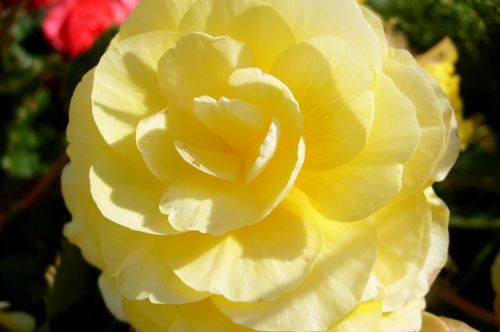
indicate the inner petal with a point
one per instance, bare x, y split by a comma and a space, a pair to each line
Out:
223, 165
257, 161
198, 65
236, 122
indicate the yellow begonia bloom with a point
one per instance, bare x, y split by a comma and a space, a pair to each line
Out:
241, 165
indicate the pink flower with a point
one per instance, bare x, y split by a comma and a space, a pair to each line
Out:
72, 26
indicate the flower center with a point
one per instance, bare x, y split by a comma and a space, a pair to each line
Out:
240, 126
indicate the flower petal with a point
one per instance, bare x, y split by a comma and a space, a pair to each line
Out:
156, 136
112, 298
331, 290
354, 190
154, 15
366, 317
126, 88
264, 260
199, 65
404, 71
258, 26
342, 18
128, 194
85, 145
332, 83
400, 227
138, 263
409, 318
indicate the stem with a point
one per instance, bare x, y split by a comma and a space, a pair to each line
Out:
468, 307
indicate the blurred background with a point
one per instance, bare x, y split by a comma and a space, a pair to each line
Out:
47, 45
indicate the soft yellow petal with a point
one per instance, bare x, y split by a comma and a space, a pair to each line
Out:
80, 231
451, 148
354, 190
236, 122
332, 83
128, 194
251, 264
416, 86
126, 89
366, 317
259, 160
200, 316
112, 298
156, 136
342, 18
138, 263
222, 165
154, 15
145, 316
400, 228
209, 205
438, 251
208, 318
412, 284
331, 290
258, 26
395, 132
377, 25
85, 145
409, 318
199, 65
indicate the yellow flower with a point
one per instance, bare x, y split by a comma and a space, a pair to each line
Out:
259, 165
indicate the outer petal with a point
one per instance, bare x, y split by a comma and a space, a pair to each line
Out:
400, 227
126, 88
128, 194
154, 15
331, 290
259, 26
354, 190
366, 317
422, 271
342, 18
148, 317
138, 263
145, 316
86, 144
415, 85
365, 184
332, 83
112, 298
263, 260
409, 318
